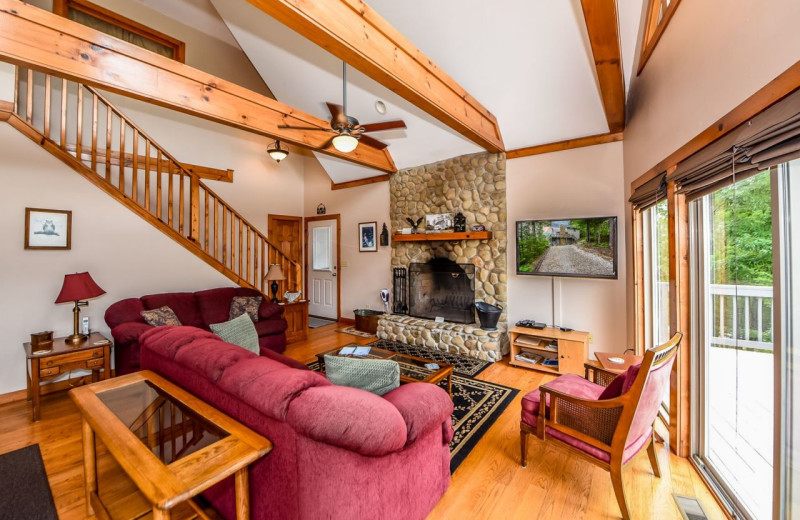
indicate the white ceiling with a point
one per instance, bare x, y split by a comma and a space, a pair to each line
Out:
528, 61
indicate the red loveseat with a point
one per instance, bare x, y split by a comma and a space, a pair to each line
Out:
339, 452
199, 309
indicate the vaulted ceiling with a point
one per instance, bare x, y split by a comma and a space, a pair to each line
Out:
529, 62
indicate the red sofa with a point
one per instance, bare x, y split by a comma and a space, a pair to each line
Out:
339, 453
199, 309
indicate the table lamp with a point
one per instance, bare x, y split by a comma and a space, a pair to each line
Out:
78, 287
274, 274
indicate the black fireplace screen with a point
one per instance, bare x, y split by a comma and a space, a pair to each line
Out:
442, 288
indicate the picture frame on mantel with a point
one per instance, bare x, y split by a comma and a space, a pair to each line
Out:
368, 237
48, 229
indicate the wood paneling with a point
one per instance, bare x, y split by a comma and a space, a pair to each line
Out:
490, 484
355, 33
32, 37
603, 28
360, 182
568, 144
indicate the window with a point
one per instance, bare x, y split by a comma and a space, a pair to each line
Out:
658, 16
322, 249
109, 22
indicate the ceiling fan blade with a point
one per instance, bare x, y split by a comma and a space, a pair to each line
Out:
370, 141
327, 144
306, 128
386, 125
337, 113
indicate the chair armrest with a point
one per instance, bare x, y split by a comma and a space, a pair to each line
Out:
599, 375
128, 333
423, 407
591, 421
268, 310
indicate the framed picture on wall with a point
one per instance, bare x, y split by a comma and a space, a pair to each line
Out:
48, 229
367, 236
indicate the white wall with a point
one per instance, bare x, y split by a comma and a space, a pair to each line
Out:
713, 55
363, 275
585, 182
125, 255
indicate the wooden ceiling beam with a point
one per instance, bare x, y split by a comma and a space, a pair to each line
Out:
352, 31
34, 38
603, 27
360, 182
567, 144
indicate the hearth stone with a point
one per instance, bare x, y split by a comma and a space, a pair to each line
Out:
455, 338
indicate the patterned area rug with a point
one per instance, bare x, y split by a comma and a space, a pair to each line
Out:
463, 365
476, 404
353, 332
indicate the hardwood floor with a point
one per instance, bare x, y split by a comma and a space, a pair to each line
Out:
489, 484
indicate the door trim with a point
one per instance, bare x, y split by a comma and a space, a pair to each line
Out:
315, 218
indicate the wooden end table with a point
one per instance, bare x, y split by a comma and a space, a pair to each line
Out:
412, 368
605, 360
62, 357
172, 445
296, 316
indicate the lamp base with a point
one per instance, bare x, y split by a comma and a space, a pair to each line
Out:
274, 287
76, 339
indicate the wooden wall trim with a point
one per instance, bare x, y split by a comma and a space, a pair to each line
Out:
780, 87
654, 30
354, 32
46, 389
568, 144
34, 38
601, 23
360, 182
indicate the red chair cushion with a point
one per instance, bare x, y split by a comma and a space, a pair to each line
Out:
614, 389
630, 377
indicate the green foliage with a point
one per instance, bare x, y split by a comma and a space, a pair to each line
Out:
742, 233
531, 244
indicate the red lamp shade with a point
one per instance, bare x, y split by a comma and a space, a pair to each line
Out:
78, 286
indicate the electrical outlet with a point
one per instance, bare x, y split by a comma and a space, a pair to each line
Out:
344, 263
591, 338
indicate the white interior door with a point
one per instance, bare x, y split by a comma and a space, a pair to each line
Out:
322, 269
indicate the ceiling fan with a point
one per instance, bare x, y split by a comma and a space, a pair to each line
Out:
347, 128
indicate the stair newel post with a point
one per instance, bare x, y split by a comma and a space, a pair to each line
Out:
194, 196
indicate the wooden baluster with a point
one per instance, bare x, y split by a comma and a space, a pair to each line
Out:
263, 272
109, 122
48, 94
170, 205
29, 99
63, 133
224, 238
147, 174
205, 228
181, 204
17, 93
216, 229
158, 185
122, 125
135, 171
249, 252
94, 132
241, 234
233, 242
194, 211
79, 127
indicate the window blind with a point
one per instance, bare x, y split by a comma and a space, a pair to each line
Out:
650, 193
770, 138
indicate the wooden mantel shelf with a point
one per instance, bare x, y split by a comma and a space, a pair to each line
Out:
431, 237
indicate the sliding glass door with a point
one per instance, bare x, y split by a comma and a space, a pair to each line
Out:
733, 301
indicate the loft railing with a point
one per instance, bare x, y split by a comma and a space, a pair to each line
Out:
142, 174
742, 316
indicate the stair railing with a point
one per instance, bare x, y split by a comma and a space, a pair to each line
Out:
86, 126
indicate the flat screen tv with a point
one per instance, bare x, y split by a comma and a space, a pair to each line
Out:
579, 247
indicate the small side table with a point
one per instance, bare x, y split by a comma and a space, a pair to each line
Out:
296, 315
627, 360
62, 358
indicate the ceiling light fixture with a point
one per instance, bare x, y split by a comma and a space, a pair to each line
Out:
276, 152
345, 142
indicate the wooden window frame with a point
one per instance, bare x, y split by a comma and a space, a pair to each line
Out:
62, 7
653, 29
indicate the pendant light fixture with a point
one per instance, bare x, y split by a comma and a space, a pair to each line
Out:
276, 152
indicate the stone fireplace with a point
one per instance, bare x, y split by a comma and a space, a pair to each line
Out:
474, 185
442, 288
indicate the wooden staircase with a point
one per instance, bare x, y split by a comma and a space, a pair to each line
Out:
83, 129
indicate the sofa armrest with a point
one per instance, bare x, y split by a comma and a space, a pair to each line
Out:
423, 407
348, 418
128, 333
268, 310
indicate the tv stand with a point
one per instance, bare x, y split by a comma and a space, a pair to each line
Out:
568, 351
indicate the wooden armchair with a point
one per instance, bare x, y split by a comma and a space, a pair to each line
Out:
607, 420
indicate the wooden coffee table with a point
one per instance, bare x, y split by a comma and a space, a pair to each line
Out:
412, 368
172, 445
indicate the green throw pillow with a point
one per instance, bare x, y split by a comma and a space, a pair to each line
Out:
373, 375
239, 331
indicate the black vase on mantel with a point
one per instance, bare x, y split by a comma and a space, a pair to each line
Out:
459, 223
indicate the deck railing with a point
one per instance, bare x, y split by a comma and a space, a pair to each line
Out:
741, 316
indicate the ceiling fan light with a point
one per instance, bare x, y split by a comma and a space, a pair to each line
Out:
276, 152
345, 143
